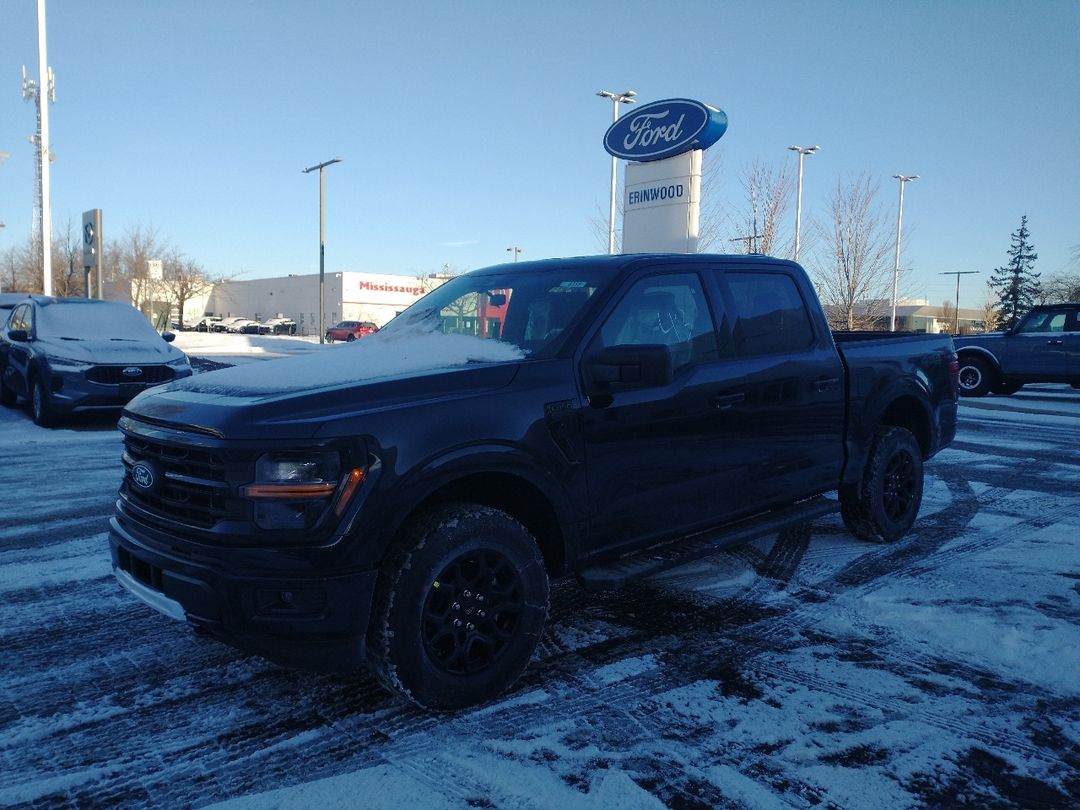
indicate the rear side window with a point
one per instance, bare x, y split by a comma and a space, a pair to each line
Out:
770, 315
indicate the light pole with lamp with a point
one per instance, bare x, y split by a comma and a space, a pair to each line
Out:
803, 152
616, 100
903, 178
322, 243
515, 250
956, 314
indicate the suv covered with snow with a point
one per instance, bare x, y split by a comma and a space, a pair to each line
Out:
66, 355
405, 502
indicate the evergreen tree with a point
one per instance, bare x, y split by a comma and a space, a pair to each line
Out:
1016, 285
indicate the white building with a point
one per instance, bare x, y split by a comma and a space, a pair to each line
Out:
375, 297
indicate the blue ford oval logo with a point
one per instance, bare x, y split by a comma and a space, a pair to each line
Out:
142, 475
132, 371
664, 129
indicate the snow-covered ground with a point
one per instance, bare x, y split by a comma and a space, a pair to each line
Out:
806, 670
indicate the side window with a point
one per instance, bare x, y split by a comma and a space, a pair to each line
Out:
670, 310
1073, 324
770, 315
1044, 322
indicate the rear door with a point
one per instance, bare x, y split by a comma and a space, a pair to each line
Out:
1045, 347
794, 405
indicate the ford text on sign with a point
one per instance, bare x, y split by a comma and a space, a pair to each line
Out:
664, 129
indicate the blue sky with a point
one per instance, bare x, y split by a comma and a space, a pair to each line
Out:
470, 127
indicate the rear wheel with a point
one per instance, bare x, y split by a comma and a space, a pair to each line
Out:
884, 504
976, 377
39, 404
350, 338
459, 607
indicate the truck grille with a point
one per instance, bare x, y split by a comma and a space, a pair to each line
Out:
114, 375
193, 487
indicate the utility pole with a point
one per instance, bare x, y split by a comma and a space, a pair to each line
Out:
42, 91
322, 243
956, 314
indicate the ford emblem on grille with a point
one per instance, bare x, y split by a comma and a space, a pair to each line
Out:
142, 475
132, 371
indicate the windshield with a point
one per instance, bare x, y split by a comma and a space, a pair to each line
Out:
78, 320
528, 309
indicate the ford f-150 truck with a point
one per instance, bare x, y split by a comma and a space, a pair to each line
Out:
1044, 346
407, 500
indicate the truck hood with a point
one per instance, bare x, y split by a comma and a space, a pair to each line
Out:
296, 397
109, 351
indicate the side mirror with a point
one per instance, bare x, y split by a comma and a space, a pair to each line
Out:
168, 337
18, 335
621, 368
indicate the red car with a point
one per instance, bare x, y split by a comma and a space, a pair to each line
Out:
350, 330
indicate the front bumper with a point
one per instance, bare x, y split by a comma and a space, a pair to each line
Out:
315, 621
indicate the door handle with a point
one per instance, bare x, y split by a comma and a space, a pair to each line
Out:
724, 402
1054, 342
822, 383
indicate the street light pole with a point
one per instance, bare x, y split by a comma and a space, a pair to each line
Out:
616, 100
903, 178
515, 250
956, 313
803, 152
322, 243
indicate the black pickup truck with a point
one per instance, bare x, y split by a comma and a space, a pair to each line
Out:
406, 501
1044, 346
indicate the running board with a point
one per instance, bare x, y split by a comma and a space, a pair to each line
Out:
680, 551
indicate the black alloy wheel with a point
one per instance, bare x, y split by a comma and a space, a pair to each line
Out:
884, 504
472, 612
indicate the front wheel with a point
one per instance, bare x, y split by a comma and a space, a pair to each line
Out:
976, 377
459, 607
883, 505
39, 404
7, 395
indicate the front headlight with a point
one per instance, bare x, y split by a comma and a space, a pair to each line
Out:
65, 364
292, 490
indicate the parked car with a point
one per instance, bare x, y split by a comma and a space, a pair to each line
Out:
254, 328
1044, 346
207, 323
282, 326
223, 324
236, 325
350, 330
65, 355
601, 417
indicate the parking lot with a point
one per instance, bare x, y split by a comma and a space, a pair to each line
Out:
801, 671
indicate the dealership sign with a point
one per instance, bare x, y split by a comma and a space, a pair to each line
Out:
664, 129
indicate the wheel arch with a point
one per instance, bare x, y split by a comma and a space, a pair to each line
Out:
969, 352
909, 412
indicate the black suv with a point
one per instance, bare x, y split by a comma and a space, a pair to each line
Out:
75, 354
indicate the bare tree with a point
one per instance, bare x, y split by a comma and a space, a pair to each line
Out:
1060, 289
854, 277
130, 258
947, 313
990, 313
67, 262
767, 196
181, 280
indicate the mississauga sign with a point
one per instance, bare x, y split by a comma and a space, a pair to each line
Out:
664, 129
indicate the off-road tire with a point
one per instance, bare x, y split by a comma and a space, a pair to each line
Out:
39, 404
884, 504
459, 607
977, 377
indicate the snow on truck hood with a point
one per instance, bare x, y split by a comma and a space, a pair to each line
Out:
376, 357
